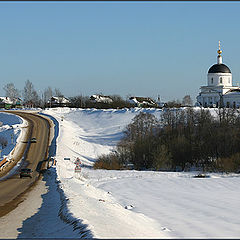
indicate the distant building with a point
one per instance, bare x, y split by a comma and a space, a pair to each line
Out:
58, 102
101, 98
160, 103
143, 102
219, 91
6, 102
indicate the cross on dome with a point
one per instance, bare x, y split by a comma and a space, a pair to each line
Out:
219, 67
219, 48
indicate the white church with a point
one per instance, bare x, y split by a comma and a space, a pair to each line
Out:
219, 91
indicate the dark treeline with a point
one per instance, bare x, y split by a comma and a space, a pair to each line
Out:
81, 101
85, 102
180, 140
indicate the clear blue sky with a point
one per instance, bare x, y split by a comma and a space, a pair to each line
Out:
137, 48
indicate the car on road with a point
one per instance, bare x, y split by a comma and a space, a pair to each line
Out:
33, 140
26, 172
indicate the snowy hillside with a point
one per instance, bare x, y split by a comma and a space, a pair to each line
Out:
91, 132
133, 204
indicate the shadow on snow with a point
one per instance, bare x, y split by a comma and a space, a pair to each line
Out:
107, 139
53, 219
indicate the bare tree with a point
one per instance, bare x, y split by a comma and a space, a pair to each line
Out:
173, 104
47, 94
59, 95
187, 101
79, 101
162, 158
11, 91
36, 99
29, 94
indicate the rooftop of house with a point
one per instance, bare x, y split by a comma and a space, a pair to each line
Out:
56, 99
142, 100
8, 100
100, 98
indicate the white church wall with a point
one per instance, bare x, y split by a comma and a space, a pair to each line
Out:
214, 79
208, 99
232, 99
226, 89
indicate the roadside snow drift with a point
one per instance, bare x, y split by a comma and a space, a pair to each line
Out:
11, 127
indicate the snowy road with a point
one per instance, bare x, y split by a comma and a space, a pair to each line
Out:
41, 211
13, 186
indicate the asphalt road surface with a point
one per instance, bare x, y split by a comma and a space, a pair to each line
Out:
12, 189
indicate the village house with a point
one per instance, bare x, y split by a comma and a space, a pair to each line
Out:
101, 98
7, 102
58, 102
143, 102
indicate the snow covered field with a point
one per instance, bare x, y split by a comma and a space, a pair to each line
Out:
117, 204
133, 204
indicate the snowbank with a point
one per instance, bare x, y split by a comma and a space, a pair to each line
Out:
13, 127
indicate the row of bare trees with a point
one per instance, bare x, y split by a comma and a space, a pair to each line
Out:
29, 95
182, 139
186, 102
81, 101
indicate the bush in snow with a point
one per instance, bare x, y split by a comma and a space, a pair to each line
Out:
107, 162
229, 164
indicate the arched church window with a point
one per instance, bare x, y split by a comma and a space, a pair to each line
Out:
220, 79
212, 80
228, 80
